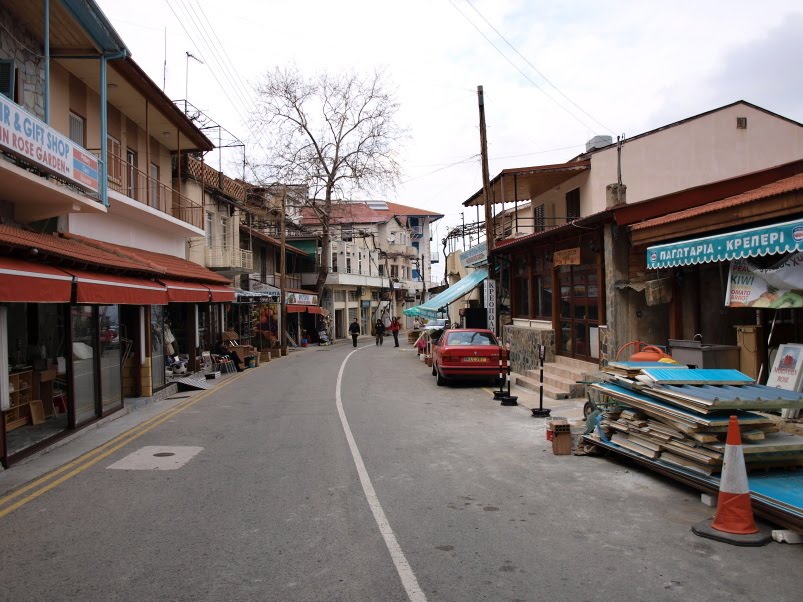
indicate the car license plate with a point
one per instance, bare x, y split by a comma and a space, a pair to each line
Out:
475, 359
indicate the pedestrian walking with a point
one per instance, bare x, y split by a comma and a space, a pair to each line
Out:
354, 331
379, 330
416, 323
395, 327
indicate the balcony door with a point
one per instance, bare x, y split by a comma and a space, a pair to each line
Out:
131, 174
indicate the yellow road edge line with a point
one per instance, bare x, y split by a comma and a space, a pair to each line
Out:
86, 455
131, 434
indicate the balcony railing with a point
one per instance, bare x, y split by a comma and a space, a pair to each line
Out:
127, 179
229, 258
212, 178
291, 280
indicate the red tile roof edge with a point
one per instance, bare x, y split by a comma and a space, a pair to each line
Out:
783, 186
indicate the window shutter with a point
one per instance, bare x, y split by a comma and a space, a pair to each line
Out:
7, 78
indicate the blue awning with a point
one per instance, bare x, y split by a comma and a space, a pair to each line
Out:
767, 240
429, 309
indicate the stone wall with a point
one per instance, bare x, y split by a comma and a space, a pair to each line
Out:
26, 52
524, 344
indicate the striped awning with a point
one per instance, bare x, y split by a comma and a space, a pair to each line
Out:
431, 308
775, 239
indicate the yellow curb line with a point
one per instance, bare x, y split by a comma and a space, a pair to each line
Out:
123, 439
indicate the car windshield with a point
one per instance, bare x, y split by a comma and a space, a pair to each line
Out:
470, 338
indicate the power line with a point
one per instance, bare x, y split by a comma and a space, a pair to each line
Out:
517, 68
534, 68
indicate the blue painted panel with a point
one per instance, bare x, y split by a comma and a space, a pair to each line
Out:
697, 375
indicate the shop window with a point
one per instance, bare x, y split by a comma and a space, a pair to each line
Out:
157, 347
84, 351
110, 357
521, 287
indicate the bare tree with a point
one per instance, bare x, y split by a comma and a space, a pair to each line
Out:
334, 133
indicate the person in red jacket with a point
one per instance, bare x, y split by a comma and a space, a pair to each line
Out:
395, 326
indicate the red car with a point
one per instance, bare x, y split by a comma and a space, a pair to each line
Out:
468, 354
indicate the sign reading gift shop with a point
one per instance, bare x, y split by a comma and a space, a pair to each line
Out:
778, 286
24, 135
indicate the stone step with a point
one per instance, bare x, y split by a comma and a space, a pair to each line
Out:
532, 384
564, 371
582, 365
565, 385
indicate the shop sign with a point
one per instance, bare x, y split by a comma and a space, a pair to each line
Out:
777, 287
24, 135
475, 255
768, 240
490, 303
300, 299
787, 370
566, 257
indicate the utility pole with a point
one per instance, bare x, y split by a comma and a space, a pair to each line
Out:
283, 272
490, 285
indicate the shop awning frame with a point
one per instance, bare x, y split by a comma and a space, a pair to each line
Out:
219, 293
185, 292
105, 289
429, 309
774, 239
27, 282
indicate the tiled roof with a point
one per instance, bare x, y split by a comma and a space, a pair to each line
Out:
786, 185
397, 209
74, 251
361, 213
163, 264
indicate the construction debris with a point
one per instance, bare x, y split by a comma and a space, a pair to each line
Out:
680, 416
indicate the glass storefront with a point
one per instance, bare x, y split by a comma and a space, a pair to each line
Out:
111, 385
84, 350
157, 347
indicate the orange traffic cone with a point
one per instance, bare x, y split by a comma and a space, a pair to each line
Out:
733, 522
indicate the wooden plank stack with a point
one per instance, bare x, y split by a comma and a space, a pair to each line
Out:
685, 424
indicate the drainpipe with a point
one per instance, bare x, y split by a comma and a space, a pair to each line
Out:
47, 62
103, 184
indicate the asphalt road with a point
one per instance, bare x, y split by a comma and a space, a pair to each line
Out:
386, 488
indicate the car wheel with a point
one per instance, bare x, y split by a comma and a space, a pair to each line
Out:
440, 380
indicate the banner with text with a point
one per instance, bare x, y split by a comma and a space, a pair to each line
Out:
777, 287
24, 135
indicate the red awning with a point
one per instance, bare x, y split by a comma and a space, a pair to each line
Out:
92, 287
296, 309
28, 282
313, 309
186, 292
220, 293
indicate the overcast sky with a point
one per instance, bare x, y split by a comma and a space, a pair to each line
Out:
588, 68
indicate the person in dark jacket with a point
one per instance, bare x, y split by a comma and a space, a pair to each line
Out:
379, 329
354, 331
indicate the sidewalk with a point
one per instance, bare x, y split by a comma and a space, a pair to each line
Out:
571, 409
77, 443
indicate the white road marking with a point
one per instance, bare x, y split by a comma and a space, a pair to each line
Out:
157, 457
410, 583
